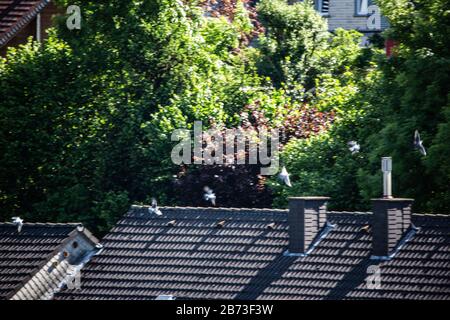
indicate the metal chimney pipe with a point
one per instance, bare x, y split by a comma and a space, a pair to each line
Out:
386, 167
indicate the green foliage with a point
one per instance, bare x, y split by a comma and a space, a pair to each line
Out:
419, 24
414, 96
321, 165
293, 34
438, 166
86, 119
380, 103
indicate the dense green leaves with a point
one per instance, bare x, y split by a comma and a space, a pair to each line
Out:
86, 118
415, 91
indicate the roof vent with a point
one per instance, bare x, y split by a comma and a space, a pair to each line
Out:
171, 223
165, 297
365, 228
271, 226
220, 224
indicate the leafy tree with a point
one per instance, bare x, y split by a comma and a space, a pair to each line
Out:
293, 35
87, 116
415, 90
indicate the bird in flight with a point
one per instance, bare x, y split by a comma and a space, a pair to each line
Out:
154, 208
354, 147
284, 176
418, 144
18, 223
209, 195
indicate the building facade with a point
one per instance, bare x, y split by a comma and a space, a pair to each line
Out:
361, 15
20, 20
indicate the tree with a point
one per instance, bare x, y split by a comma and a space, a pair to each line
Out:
415, 90
294, 33
87, 117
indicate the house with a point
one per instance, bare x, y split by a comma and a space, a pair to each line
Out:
305, 252
38, 259
361, 15
20, 19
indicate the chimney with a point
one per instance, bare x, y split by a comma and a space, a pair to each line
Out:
307, 216
391, 220
391, 216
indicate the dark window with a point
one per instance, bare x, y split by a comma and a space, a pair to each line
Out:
323, 6
75, 245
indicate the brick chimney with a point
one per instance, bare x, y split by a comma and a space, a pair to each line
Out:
391, 220
307, 216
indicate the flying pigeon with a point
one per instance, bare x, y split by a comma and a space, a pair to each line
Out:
18, 222
284, 176
354, 147
418, 143
209, 195
154, 208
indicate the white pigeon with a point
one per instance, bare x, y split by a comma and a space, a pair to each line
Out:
354, 147
418, 144
18, 223
284, 176
154, 208
209, 195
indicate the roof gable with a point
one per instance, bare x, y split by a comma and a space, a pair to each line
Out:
16, 14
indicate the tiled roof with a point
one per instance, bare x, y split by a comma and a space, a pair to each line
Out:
17, 14
193, 258
23, 254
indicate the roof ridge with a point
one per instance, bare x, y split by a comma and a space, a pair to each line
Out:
48, 224
363, 213
210, 208
432, 215
436, 215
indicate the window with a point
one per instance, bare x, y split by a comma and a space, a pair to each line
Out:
362, 7
323, 6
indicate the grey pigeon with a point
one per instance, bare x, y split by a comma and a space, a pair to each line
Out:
354, 147
418, 143
284, 176
18, 223
209, 195
154, 208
